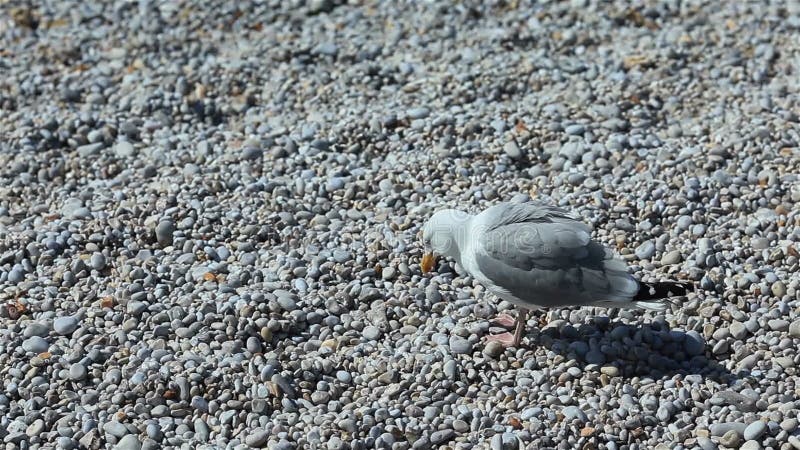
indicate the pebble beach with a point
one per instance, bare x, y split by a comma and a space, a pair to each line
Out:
210, 216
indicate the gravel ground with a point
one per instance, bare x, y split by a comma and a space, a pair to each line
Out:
209, 216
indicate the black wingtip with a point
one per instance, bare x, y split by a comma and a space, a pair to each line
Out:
663, 289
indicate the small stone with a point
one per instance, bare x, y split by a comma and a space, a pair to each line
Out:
335, 443
37, 329
35, 428
705, 443
497, 442
778, 289
673, 257
778, 325
124, 149
450, 369
575, 129
751, 445
334, 184
730, 439
286, 300
77, 372
646, 250
253, 345
611, 371
663, 414
320, 6
284, 384
128, 442
81, 213
755, 430
460, 346
342, 256
418, 113
115, 428
512, 150
371, 333
493, 349
573, 412
738, 330
460, 426
257, 438
90, 150
201, 430
88, 439
35, 344
65, 326
694, 344
442, 436
164, 232
97, 261
794, 329
789, 425
251, 151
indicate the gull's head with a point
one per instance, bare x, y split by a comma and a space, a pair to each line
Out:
441, 236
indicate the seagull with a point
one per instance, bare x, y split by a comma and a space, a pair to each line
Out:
538, 256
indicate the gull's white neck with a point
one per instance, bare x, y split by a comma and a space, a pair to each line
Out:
449, 233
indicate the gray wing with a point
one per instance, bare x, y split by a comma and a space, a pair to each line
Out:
544, 257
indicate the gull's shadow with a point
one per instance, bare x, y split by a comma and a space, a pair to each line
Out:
650, 349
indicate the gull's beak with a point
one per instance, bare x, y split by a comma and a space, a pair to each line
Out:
427, 262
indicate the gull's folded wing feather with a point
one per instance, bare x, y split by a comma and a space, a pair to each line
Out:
544, 257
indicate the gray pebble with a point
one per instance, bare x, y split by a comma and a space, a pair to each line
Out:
646, 250
673, 257
97, 261
460, 346
493, 349
789, 425
442, 436
65, 326
164, 232
115, 428
794, 328
35, 344
751, 445
129, 442
573, 412
778, 325
694, 343
730, 439
371, 333
512, 150
77, 372
418, 113
738, 330
124, 149
257, 438
37, 329
755, 430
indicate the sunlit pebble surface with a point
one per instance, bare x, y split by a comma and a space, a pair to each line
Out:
209, 218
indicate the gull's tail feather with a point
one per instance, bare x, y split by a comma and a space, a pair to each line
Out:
657, 296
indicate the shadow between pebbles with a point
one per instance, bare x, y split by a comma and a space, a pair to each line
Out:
651, 349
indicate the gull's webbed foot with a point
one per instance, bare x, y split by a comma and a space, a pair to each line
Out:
504, 320
505, 339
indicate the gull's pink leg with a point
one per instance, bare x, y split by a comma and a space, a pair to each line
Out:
522, 319
512, 340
